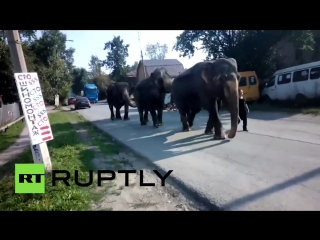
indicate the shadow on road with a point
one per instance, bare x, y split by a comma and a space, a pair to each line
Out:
163, 142
276, 188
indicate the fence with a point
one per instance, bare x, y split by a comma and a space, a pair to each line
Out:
9, 113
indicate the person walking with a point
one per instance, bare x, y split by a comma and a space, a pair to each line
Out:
243, 111
219, 102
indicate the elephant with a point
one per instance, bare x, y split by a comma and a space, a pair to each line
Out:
118, 95
149, 96
201, 86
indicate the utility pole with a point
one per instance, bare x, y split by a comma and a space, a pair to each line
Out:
144, 69
40, 151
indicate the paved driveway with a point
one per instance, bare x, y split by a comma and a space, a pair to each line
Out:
276, 166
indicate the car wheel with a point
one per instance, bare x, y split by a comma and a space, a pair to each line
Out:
89, 106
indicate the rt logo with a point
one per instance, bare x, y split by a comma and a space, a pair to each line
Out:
29, 178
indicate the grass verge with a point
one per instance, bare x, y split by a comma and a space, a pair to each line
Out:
313, 111
11, 135
68, 151
265, 107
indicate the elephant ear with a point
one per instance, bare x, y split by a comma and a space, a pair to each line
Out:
234, 63
207, 72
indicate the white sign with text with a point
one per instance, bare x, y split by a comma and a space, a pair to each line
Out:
33, 107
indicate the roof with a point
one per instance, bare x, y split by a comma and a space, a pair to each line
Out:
173, 66
299, 67
90, 86
132, 73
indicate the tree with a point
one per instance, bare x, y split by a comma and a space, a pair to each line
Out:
99, 78
253, 49
133, 67
8, 88
102, 81
80, 78
156, 51
55, 80
95, 66
116, 58
54, 64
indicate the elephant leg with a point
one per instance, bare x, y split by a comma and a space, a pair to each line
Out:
218, 134
142, 121
118, 115
154, 118
145, 117
160, 112
126, 112
192, 115
210, 125
184, 120
111, 111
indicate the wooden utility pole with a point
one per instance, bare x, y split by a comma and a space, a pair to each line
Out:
40, 151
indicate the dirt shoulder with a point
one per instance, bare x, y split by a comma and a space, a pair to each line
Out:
79, 145
109, 154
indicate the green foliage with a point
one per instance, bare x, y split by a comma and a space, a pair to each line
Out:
116, 59
47, 55
80, 78
253, 49
134, 67
98, 77
156, 51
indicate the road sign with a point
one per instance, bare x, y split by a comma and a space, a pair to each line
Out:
33, 107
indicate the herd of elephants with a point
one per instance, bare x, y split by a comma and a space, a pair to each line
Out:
200, 86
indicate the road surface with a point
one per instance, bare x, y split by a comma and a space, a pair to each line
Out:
274, 166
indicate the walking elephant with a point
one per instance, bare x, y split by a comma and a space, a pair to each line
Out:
149, 96
118, 95
201, 86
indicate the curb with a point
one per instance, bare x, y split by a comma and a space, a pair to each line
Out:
175, 181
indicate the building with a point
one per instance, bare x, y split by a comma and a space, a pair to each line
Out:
132, 78
145, 68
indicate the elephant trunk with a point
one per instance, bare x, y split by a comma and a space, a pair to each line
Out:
127, 99
132, 103
234, 112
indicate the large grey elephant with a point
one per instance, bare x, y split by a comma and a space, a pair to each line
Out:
149, 96
201, 86
118, 95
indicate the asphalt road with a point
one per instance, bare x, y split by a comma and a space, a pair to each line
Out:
274, 166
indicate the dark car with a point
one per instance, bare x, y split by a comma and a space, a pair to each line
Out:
71, 100
82, 102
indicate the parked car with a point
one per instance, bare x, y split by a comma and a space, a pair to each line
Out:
82, 102
71, 100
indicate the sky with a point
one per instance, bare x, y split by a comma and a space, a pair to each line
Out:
91, 42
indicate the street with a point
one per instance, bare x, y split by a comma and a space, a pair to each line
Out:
274, 166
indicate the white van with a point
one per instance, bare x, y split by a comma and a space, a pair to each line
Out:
298, 83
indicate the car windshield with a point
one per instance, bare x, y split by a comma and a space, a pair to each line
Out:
94, 91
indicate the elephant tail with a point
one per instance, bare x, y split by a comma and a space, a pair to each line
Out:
127, 99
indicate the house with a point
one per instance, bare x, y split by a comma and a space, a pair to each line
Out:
132, 78
146, 67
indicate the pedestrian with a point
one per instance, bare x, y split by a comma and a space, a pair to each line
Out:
243, 111
219, 102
